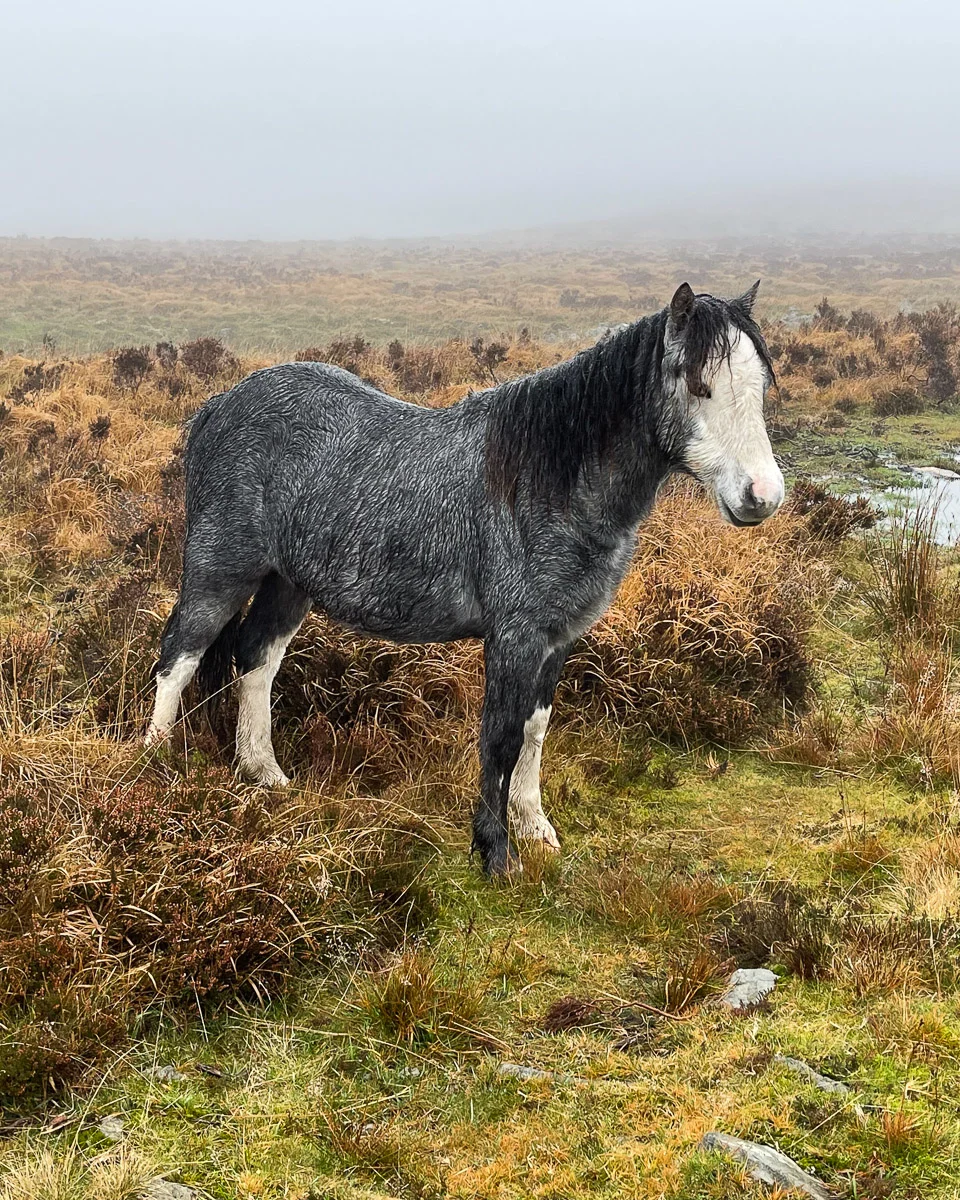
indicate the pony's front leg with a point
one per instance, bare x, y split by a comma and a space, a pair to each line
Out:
512, 673
527, 818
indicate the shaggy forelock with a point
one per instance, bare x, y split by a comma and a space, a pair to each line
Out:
705, 339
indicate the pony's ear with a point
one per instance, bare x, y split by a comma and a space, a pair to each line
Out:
746, 302
681, 306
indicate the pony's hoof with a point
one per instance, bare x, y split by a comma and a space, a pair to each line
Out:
540, 833
267, 776
274, 779
503, 866
156, 738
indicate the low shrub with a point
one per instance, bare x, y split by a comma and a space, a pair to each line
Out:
208, 358
779, 924
131, 366
831, 518
898, 402
182, 891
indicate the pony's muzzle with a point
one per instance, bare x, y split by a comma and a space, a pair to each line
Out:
760, 498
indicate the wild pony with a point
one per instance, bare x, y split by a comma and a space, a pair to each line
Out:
511, 516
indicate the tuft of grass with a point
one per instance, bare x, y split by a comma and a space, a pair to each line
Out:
44, 1174
413, 1005
389, 1150
691, 974
859, 853
901, 1131
907, 591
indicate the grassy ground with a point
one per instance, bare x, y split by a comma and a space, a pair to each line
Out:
754, 763
386, 1080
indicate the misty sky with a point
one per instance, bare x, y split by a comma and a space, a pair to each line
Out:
306, 119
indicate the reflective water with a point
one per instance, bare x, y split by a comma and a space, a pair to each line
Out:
930, 493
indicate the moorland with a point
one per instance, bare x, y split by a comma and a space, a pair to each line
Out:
755, 762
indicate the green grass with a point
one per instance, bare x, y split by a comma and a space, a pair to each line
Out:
867, 451
318, 1093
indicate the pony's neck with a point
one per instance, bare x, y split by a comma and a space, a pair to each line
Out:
584, 432
621, 490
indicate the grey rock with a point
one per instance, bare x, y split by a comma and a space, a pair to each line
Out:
166, 1189
112, 1127
823, 1082
169, 1074
938, 472
747, 988
766, 1164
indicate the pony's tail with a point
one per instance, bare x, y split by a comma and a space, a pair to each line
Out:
215, 672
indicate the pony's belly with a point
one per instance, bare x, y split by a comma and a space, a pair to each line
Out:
410, 629
403, 618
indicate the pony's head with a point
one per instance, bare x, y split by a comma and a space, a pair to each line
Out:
716, 372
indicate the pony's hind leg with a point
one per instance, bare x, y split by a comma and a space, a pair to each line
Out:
197, 620
277, 612
527, 818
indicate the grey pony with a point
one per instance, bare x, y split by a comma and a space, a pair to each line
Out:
510, 516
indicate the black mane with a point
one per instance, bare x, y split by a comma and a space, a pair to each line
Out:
546, 427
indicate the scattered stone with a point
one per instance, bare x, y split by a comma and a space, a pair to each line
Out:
528, 1074
747, 988
166, 1189
938, 472
169, 1074
766, 1164
112, 1127
823, 1082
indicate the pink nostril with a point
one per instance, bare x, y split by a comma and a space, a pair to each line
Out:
766, 491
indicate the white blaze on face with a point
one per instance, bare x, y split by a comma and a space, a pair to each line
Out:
730, 450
